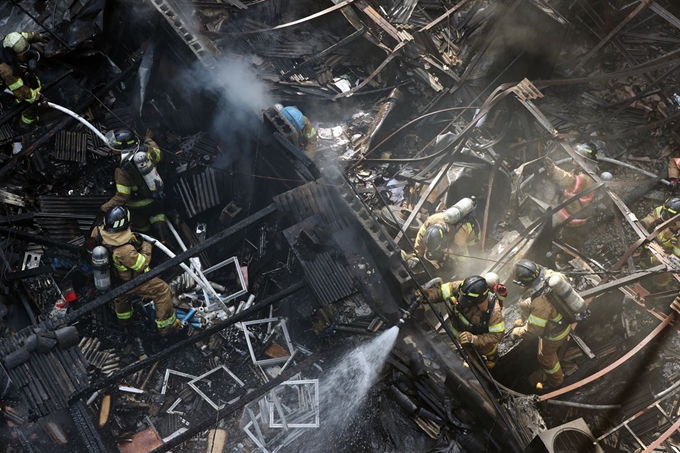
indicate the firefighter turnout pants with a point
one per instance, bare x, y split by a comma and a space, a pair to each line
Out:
146, 216
550, 362
155, 289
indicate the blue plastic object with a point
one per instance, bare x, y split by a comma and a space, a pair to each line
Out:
295, 117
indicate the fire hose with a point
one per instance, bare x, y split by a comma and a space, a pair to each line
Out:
79, 118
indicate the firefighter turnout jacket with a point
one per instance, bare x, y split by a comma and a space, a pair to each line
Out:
458, 240
21, 82
543, 319
572, 183
674, 168
668, 237
126, 186
487, 327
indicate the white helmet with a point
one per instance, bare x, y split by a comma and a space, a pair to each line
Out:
16, 42
492, 279
278, 107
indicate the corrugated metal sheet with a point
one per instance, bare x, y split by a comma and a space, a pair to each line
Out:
47, 380
313, 198
323, 262
67, 218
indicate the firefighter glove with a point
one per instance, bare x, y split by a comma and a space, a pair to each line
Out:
432, 295
501, 290
466, 338
137, 241
518, 322
43, 37
549, 165
512, 335
412, 263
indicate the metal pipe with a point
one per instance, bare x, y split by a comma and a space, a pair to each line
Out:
597, 407
206, 286
632, 167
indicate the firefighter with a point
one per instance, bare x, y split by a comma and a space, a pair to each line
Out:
477, 316
146, 205
130, 256
443, 239
667, 238
573, 183
304, 127
540, 319
16, 71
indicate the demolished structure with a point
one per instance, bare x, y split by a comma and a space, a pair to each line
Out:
306, 147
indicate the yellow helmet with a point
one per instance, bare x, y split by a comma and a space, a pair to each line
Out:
16, 41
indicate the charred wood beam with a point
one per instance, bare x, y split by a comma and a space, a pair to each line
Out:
169, 264
323, 53
203, 334
641, 7
13, 233
17, 218
379, 20
244, 400
664, 13
445, 15
66, 122
632, 278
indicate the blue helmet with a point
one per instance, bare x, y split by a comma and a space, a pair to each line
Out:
294, 116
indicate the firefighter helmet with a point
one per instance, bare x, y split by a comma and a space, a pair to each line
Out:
124, 139
294, 117
492, 279
16, 41
587, 150
670, 208
434, 237
472, 291
117, 219
525, 272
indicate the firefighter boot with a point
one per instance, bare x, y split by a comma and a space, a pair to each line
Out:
171, 329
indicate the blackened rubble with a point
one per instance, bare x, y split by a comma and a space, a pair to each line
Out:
321, 164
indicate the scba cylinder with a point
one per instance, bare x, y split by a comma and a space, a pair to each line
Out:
100, 266
565, 292
458, 211
149, 173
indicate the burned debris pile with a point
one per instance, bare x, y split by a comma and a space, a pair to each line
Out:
346, 226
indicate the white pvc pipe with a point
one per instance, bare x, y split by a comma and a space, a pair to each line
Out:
82, 120
186, 268
195, 263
